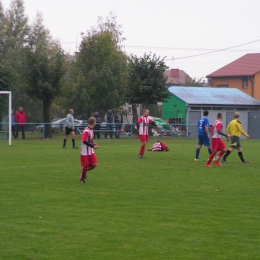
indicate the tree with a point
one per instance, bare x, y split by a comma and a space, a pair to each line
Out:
146, 81
99, 73
44, 68
193, 82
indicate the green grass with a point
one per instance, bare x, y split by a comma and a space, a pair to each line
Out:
164, 207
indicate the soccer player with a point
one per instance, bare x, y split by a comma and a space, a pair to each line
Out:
203, 138
88, 158
69, 129
234, 128
159, 147
143, 125
217, 144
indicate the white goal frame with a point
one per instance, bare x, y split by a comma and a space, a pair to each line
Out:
9, 93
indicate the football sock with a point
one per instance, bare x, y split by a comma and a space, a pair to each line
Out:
219, 155
73, 142
211, 158
241, 156
210, 150
226, 154
83, 174
64, 142
197, 153
142, 149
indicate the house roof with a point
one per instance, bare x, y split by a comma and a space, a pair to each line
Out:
247, 65
213, 96
175, 76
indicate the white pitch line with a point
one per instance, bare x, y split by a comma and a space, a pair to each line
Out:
29, 166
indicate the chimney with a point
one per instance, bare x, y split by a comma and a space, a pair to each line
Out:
175, 73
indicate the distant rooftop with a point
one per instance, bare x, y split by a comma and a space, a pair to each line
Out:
247, 65
213, 96
175, 77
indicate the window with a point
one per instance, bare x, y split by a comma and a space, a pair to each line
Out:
222, 86
195, 108
244, 83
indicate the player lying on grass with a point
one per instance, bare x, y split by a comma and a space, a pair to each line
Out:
88, 158
159, 147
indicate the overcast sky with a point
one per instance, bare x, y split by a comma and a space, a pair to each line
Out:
172, 28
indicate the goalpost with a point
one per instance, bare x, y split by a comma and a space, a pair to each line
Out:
9, 93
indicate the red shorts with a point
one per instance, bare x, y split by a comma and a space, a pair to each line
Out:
143, 138
88, 160
217, 144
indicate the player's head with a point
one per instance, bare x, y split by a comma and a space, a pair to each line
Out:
71, 111
146, 112
236, 115
206, 113
92, 121
219, 116
167, 149
21, 109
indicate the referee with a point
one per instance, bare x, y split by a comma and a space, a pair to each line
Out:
234, 128
69, 129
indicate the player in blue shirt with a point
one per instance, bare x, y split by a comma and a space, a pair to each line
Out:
204, 135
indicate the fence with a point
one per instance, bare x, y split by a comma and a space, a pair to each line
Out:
125, 130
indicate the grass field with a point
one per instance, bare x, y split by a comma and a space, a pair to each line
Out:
164, 207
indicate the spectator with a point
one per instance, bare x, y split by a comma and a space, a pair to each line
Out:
109, 119
97, 126
118, 119
12, 122
20, 118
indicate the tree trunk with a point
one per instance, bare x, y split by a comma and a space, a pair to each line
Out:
135, 115
47, 118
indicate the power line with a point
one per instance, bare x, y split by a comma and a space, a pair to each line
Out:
191, 56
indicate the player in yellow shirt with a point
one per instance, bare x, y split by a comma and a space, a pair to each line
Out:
234, 128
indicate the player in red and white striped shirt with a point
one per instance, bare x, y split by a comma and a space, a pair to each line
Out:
143, 124
88, 158
159, 146
217, 144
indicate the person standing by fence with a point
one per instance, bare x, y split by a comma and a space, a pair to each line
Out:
97, 126
118, 119
12, 123
20, 118
109, 119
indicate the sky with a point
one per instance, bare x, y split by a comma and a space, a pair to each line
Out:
180, 30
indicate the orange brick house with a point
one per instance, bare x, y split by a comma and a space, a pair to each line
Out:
243, 74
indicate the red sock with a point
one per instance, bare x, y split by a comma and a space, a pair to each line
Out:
83, 174
211, 158
220, 155
142, 149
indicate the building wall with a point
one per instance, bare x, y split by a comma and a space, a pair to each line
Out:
237, 83
257, 86
174, 108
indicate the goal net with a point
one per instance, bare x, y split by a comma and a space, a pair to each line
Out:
5, 116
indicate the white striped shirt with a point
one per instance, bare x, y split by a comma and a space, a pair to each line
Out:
87, 136
217, 126
144, 122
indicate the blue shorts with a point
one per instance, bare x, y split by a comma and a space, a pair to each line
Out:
203, 139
